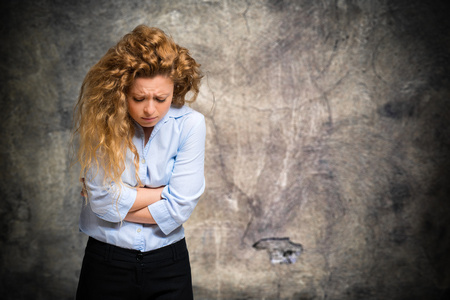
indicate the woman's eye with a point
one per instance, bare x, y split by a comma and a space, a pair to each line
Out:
161, 100
138, 100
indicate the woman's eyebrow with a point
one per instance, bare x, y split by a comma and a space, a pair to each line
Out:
137, 94
162, 95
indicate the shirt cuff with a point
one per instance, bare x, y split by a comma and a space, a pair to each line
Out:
161, 215
124, 203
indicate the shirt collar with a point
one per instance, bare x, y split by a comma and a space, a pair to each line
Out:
176, 112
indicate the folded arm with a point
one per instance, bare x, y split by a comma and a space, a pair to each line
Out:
168, 207
113, 202
141, 216
139, 212
187, 181
146, 196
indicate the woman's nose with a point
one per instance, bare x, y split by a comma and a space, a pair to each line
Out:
149, 107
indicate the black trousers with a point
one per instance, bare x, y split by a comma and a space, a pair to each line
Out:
110, 272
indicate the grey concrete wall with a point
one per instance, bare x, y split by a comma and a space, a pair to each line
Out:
328, 124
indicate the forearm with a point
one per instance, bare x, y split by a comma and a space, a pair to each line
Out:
145, 197
141, 216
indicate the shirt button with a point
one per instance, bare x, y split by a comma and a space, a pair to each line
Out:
139, 230
143, 161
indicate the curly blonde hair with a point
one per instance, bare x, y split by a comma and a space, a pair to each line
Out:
102, 123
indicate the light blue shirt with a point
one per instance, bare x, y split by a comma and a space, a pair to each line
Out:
174, 157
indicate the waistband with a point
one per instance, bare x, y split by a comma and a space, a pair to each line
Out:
111, 252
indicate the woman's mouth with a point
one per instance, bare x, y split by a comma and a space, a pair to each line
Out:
150, 119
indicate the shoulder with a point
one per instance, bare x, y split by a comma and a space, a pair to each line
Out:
186, 117
188, 124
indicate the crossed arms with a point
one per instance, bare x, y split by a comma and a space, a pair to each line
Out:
139, 212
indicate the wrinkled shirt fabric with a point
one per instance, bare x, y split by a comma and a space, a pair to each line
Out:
173, 157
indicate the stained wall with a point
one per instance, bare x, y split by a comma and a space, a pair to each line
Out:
327, 123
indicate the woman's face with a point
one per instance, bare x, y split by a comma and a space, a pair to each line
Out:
149, 100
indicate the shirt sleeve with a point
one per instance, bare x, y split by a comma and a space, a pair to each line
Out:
187, 181
109, 201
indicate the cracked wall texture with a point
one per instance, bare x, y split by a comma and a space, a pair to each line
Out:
328, 123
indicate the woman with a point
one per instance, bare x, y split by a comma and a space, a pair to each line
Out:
142, 158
